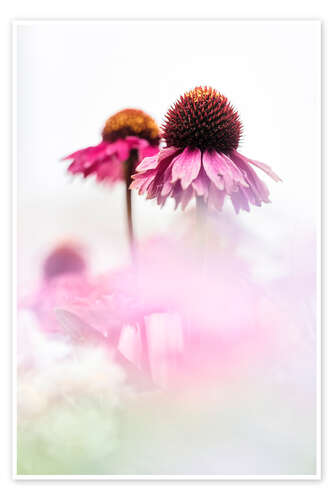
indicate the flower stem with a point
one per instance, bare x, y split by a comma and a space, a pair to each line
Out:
201, 222
201, 210
129, 171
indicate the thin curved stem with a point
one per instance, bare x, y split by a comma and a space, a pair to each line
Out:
129, 171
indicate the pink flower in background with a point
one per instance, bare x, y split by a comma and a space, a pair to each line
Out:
199, 326
95, 300
65, 258
202, 132
127, 132
103, 304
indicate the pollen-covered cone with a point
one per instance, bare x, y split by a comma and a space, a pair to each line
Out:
200, 160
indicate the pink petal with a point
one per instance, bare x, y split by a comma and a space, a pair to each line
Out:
186, 166
142, 181
186, 197
88, 154
111, 170
99, 160
240, 201
252, 197
154, 175
74, 168
227, 172
122, 148
167, 185
260, 165
162, 172
165, 152
177, 193
201, 184
148, 151
215, 197
161, 199
212, 165
236, 173
136, 142
257, 186
148, 163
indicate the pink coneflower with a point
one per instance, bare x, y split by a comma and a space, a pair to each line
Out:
128, 137
130, 131
64, 259
202, 132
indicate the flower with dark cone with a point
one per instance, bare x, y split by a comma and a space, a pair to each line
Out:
128, 131
66, 258
128, 137
202, 132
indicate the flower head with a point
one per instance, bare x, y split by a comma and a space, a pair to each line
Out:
124, 132
131, 122
202, 132
203, 119
64, 259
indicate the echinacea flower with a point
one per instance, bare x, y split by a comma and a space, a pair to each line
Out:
130, 131
202, 132
64, 259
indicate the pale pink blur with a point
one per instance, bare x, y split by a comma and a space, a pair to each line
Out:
205, 314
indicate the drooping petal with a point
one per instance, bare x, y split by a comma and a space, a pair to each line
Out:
177, 193
201, 184
123, 149
148, 163
91, 153
152, 176
186, 166
141, 182
162, 172
147, 151
106, 158
240, 201
161, 199
252, 197
167, 185
111, 170
230, 184
236, 173
99, 160
260, 165
186, 197
74, 168
212, 164
215, 197
258, 187
166, 152
261, 188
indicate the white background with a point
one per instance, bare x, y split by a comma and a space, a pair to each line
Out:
296, 9
72, 75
